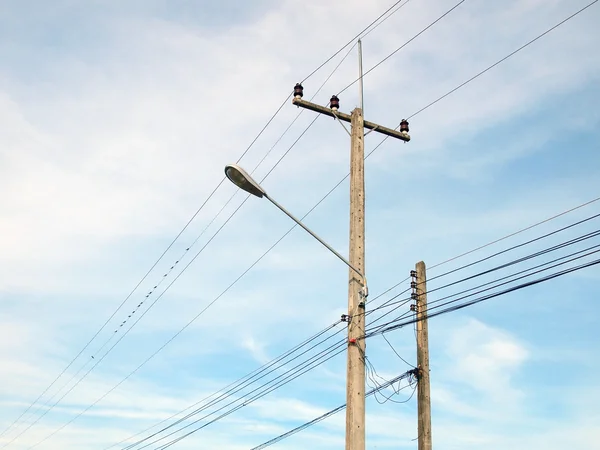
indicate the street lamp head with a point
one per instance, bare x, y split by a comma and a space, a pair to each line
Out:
241, 179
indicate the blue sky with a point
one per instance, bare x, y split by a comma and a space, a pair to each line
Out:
118, 118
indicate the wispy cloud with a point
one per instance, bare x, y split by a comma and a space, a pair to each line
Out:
117, 122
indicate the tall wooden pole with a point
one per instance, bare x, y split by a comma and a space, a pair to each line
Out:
355, 390
423, 388
355, 394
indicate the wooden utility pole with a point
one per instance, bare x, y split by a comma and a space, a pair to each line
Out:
423, 392
355, 393
357, 288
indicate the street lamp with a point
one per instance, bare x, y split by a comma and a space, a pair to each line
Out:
244, 181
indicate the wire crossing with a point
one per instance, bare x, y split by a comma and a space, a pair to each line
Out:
409, 374
133, 312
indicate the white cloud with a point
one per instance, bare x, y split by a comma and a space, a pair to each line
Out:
487, 358
108, 146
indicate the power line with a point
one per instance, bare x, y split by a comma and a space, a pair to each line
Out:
229, 388
404, 45
397, 354
113, 314
570, 17
521, 272
386, 18
372, 375
192, 320
249, 381
516, 261
390, 327
98, 361
544, 236
579, 239
503, 59
521, 259
193, 217
522, 230
230, 392
187, 325
511, 278
324, 356
474, 77
225, 406
331, 413
147, 273
357, 36
541, 269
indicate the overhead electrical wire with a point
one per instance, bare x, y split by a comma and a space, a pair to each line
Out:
193, 217
179, 332
454, 90
331, 413
541, 268
490, 67
334, 347
588, 249
405, 300
186, 325
522, 230
573, 241
113, 314
570, 17
398, 8
505, 265
232, 386
229, 388
99, 360
396, 352
392, 325
398, 402
324, 356
379, 20
377, 380
268, 370
527, 44
539, 238
540, 253
236, 389
139, 317
174, 441
403, 45
512, 275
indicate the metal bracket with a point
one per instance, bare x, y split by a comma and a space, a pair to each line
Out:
364, 292
340, 122
371, 130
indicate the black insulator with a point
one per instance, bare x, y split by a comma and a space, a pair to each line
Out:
413, 284
404, 126
334, 103
413, 273
413, 296
298, 90
413, 308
